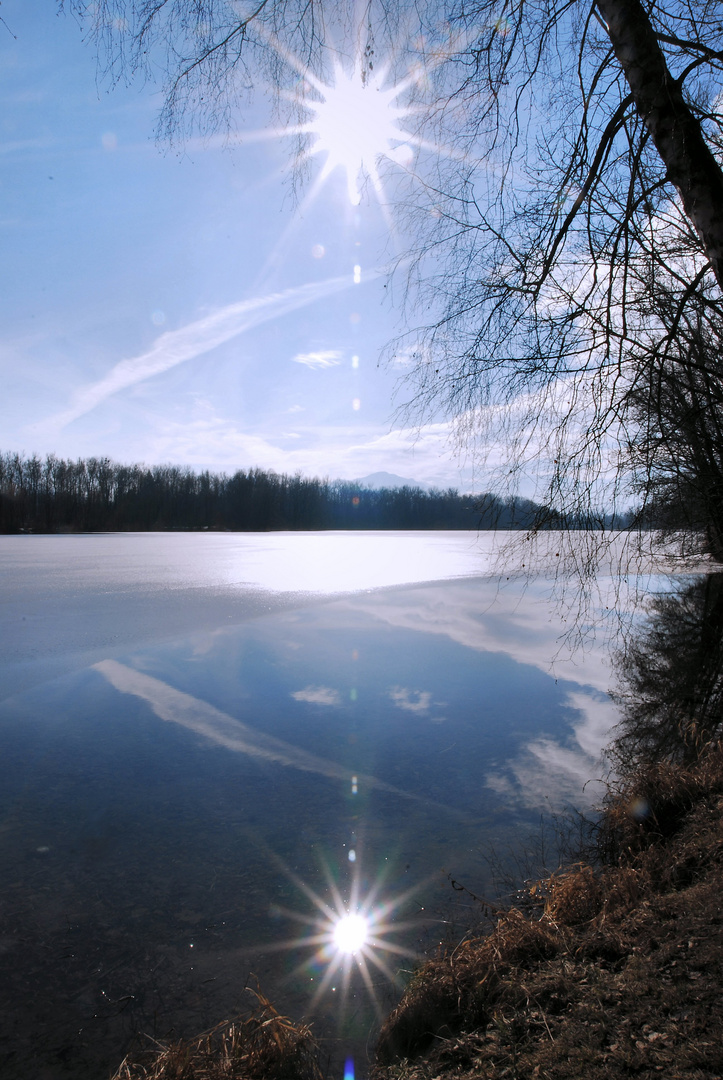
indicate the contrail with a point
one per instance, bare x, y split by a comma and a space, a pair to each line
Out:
176, 346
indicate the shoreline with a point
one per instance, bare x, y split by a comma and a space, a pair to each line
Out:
610, 970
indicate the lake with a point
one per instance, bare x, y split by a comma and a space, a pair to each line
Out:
215, 745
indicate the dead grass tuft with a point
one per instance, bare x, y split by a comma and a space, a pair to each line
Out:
261, 1046
573, 896
651, 806
618, 976
463, 988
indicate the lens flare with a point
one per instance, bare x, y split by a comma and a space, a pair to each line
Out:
350, 938
356, 117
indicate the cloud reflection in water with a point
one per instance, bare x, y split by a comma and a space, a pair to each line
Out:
204, 719
484, 616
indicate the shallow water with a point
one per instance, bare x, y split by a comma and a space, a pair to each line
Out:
223, 765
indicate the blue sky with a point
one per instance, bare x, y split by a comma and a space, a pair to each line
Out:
177, 304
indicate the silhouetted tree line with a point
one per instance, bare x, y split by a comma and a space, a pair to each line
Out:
97, 494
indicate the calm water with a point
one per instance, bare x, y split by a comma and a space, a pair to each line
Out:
205, 755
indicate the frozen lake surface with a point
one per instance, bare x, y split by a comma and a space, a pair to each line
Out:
67, 599
210, 743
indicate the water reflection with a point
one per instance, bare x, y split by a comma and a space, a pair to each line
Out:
498, 619
671, 676
351, 937
198, 716
177, 819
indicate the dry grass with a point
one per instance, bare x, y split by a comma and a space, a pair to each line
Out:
461, 990
653, 804
618, 975
260, 1046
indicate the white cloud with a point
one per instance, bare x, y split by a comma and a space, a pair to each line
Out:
416, 701
490, 616
22, 145
324, 358
213, 441
318, 695
177, 346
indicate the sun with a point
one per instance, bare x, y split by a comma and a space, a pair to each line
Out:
356, 118
356, 122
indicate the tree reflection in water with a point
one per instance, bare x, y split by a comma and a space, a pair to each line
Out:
670, 674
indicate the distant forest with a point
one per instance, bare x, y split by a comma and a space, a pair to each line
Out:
98, 494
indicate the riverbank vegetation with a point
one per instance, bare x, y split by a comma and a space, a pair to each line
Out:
609, 967
97, 494
260, 1046
605, 969
609, 971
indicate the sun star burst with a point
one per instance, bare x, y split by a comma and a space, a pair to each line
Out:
351, 932
356, 122
350, 941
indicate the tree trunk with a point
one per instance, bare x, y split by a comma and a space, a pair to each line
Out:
676, 132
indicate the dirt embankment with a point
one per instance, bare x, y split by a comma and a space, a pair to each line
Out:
616, 972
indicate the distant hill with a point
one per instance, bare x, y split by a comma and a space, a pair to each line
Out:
388, 480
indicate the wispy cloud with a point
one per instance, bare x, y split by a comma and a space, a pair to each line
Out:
425, 454
177, 346
487, 615
325, 358
318, 695
21, 145
557, 773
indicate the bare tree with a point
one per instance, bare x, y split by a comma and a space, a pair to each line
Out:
594, 185
584, 180
674, 427
213, 55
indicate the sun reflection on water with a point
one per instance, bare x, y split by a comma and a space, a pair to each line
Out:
351, 932
351, 938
